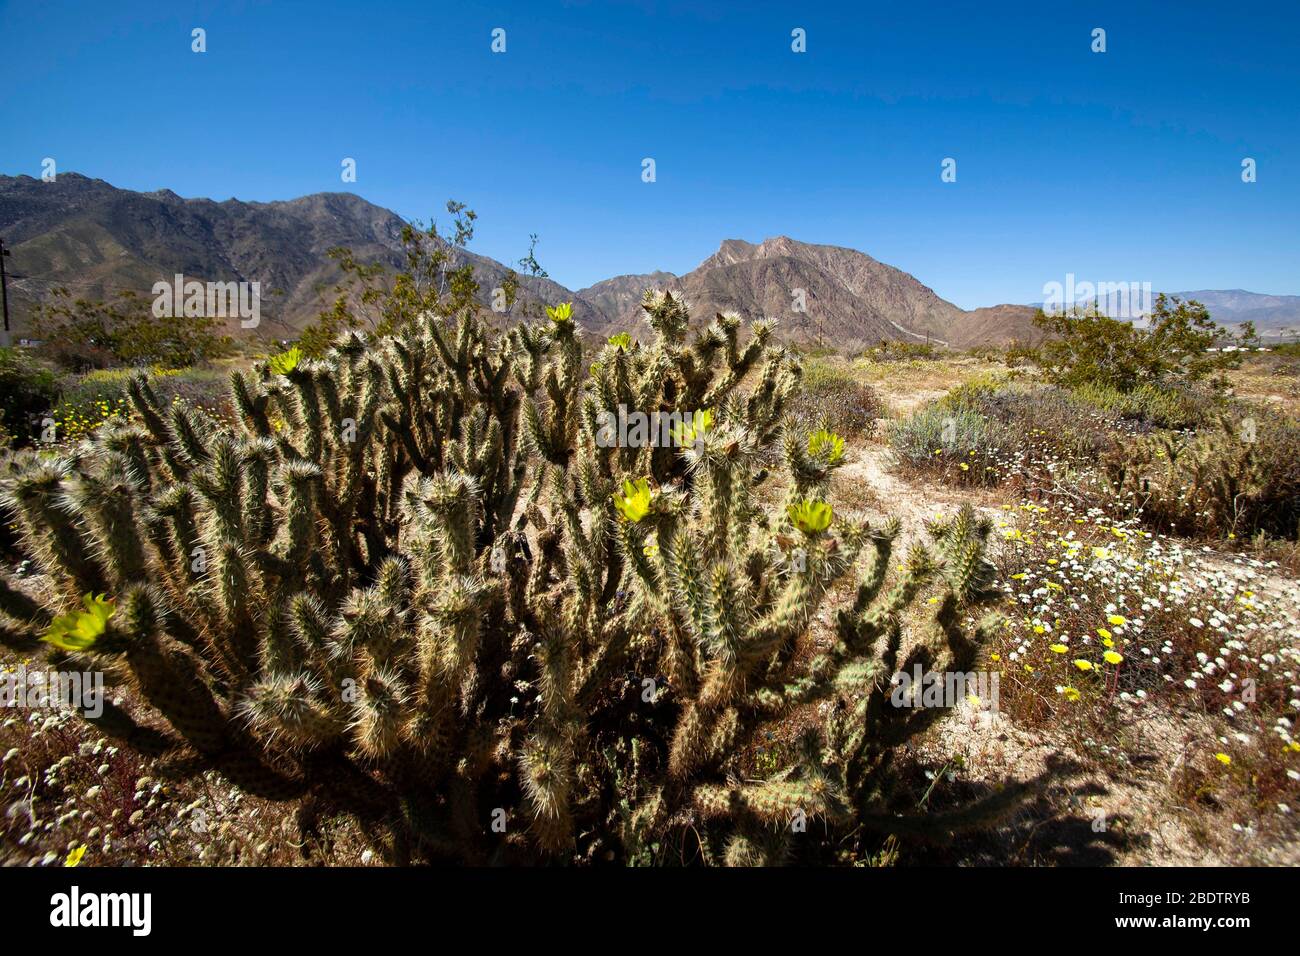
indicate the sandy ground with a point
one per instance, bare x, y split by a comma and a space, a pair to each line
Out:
1122, 813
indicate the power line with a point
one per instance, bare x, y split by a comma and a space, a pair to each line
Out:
4, 287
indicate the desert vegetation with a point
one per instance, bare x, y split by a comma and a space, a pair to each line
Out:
387, 595
409, 587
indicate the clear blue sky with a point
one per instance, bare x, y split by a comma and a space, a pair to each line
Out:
1117, 166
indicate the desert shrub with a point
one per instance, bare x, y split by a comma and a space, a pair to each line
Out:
411, 584
27, 390
88, 401
831, 397
1019, 354
82, 335
1237, 476
1175, 407
986, 353
958, 442
1180, 345
992, 430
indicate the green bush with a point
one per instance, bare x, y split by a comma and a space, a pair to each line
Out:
26, 392
81, 335
1180, 345
1176, 407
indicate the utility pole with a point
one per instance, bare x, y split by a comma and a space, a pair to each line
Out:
4, 288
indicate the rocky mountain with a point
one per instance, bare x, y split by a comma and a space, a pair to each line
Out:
817, 293
995, 325
1271, 313
619, 298
95, 239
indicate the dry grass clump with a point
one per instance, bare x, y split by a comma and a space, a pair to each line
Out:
995, 431
832, 397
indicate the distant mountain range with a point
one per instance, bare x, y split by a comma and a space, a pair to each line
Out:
95, 239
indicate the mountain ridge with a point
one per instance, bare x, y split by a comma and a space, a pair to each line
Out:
97, 239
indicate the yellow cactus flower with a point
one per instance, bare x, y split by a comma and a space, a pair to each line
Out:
78, 630
810, 517
560, 314
828, 443
687, 432
634, 503
285, 362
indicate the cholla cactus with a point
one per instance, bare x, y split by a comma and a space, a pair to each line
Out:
412, 584
1232, 477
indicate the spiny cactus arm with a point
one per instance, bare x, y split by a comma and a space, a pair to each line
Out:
779, 381
327, 658
784, 622
754, 846
290, 709
108, 513
690, 746
50, 533
667, 316
257, 457
381, 713
171, 523
774, 802
221, 482
186, 430
826, 675
307, 398
251, 404
129, 445
810, 472
547, 776
325, 376
168, 677
402, 427
299, 484
146, 404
